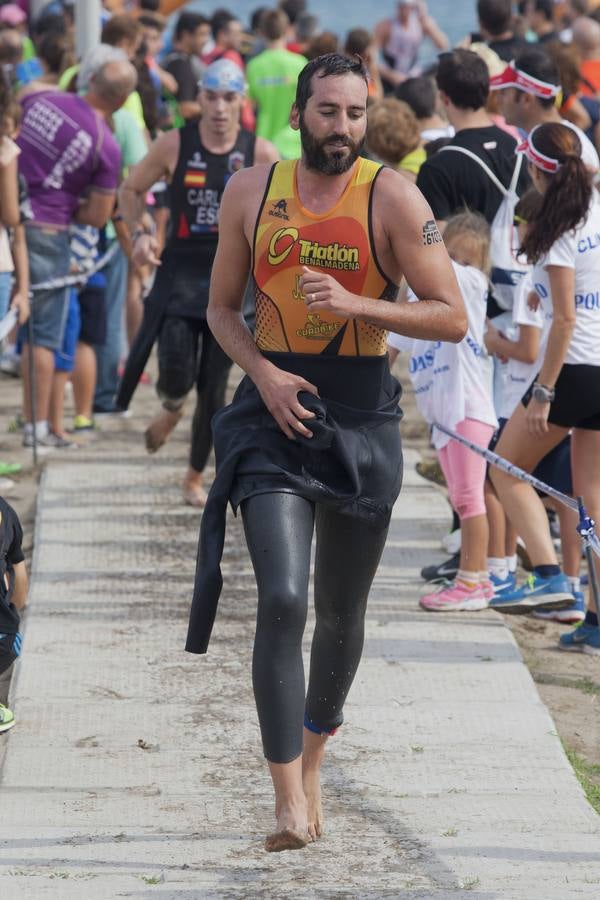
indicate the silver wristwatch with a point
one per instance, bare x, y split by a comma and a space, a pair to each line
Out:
543, 394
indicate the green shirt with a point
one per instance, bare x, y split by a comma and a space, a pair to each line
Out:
272, 77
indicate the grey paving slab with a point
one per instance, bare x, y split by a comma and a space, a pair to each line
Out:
135, 769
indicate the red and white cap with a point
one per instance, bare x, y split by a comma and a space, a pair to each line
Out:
539, 160
513, 77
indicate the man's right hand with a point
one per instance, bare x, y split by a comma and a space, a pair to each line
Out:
279, 391
145, 251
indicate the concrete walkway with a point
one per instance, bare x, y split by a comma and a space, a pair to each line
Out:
135, 769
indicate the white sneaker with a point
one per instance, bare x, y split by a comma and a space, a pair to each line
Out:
451, 542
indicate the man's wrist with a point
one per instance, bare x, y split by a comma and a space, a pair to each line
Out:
258, 366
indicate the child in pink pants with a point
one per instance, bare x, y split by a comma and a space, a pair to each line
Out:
452, 385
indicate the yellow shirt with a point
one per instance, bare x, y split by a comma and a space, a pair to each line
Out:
413, 161
338, 242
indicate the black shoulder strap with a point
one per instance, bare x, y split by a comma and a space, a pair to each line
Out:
246, 144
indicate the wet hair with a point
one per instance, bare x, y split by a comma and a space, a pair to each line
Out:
469, 223
187, 23
324, 67
464, 77
151, 6
118, 29
567, 196
495, 15
392, 130
540, 65
274, 24
419, 93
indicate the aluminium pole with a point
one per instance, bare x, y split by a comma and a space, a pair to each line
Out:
87, 25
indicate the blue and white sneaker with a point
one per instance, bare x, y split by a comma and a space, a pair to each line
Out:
501, 585
583, 639
571, 615
551, 593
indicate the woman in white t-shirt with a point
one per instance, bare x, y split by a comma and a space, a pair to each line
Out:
564, 240
452, 385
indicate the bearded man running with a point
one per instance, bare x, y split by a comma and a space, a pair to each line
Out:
312, 434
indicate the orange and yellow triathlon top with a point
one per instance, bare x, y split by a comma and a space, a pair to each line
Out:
340, 242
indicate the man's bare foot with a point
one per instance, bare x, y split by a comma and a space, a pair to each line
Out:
313, 754
291, 833
311, 779
286, 839
160, 428
195, 495
193, 488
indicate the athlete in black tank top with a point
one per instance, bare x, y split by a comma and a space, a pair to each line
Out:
196, 190
198, 160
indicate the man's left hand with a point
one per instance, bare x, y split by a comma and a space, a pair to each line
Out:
324, 292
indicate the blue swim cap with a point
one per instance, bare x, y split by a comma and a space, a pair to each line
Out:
223, 75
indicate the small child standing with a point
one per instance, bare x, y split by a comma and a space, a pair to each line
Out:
13, 597
452, 384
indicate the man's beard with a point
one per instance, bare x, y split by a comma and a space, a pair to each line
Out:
334, 163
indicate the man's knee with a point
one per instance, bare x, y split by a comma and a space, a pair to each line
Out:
283, 610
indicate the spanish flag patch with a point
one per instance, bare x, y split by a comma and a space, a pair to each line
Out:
194, 178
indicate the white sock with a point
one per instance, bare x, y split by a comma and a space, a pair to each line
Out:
471, 579
41, 429
497, 566
574, 583
484, 577
512, 563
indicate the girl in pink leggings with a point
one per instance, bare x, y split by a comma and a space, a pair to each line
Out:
452, 385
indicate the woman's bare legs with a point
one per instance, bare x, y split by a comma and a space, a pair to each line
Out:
585, 454
520, 501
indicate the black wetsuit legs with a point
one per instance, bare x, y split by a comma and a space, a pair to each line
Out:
211, 384
188, 354
279, 530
